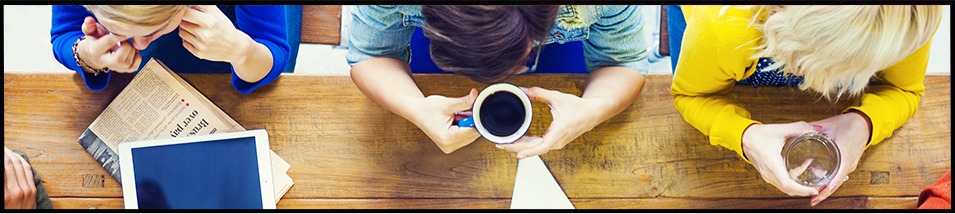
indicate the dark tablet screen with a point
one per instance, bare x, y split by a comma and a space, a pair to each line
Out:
215, 174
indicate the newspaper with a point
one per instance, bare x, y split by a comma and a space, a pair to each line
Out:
159, 104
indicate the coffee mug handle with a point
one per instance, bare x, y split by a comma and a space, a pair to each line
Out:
466, 122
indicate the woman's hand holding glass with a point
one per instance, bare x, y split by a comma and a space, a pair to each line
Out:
762, 145
850, 131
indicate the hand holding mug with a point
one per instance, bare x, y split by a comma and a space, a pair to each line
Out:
571, 120
436, 117
101, 49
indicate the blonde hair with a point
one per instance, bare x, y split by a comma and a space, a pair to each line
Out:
136, 15
839, 48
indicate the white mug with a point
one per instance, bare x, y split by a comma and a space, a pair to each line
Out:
501, 113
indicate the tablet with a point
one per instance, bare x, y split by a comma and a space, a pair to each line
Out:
219, 171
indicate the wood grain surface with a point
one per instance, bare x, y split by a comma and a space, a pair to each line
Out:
344, 147
664, 47
321, 24
856, 202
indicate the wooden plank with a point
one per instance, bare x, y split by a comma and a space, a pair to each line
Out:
654, 203
892, 203
87, 203
321, 24
342, 145
394, 204
664, 32
678, 203
44, 114
857, 202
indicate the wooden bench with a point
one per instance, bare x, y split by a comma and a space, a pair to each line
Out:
664, 47
348, 152
321, 24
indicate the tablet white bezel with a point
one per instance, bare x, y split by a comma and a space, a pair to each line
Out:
261, 151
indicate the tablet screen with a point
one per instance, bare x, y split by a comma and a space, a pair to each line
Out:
212, 174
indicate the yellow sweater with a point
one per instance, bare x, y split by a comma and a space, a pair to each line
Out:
715, 54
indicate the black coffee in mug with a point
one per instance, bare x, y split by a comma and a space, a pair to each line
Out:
502, 113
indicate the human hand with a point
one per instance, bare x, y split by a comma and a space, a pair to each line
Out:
101, 49
762, 145
571, 120
209, 34
436, 116
19, 190
850, 131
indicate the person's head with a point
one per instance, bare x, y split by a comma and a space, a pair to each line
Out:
485, 43
142, 23
839, 48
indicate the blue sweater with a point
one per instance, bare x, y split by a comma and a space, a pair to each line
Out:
265, 24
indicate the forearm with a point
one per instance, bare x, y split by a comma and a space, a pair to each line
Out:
254, 63
886, 108
388, 82
63, 51
67, 21
612, 89
718, 116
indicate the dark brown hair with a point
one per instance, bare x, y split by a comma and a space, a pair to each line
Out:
485, 42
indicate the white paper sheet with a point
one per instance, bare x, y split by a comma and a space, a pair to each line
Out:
279, 163
536, 188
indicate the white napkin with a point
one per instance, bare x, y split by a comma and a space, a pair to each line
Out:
536, 188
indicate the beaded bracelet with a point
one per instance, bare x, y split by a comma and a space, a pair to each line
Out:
82, 64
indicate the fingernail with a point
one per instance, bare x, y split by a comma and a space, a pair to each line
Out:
817, 128
523, 89
499, 146
813, 203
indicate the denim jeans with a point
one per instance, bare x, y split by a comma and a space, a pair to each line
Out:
676, 24
610, 35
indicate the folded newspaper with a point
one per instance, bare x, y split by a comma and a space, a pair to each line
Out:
159, 104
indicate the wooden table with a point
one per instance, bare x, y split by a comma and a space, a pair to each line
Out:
348, 152
321, 24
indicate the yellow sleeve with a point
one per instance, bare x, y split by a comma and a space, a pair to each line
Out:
889, 104
711, 61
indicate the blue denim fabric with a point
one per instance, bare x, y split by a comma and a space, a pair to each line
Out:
611, 35
676, 24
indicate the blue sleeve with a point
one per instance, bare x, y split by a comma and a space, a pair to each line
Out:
617, 39
266, 24
377, 31
66, 28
